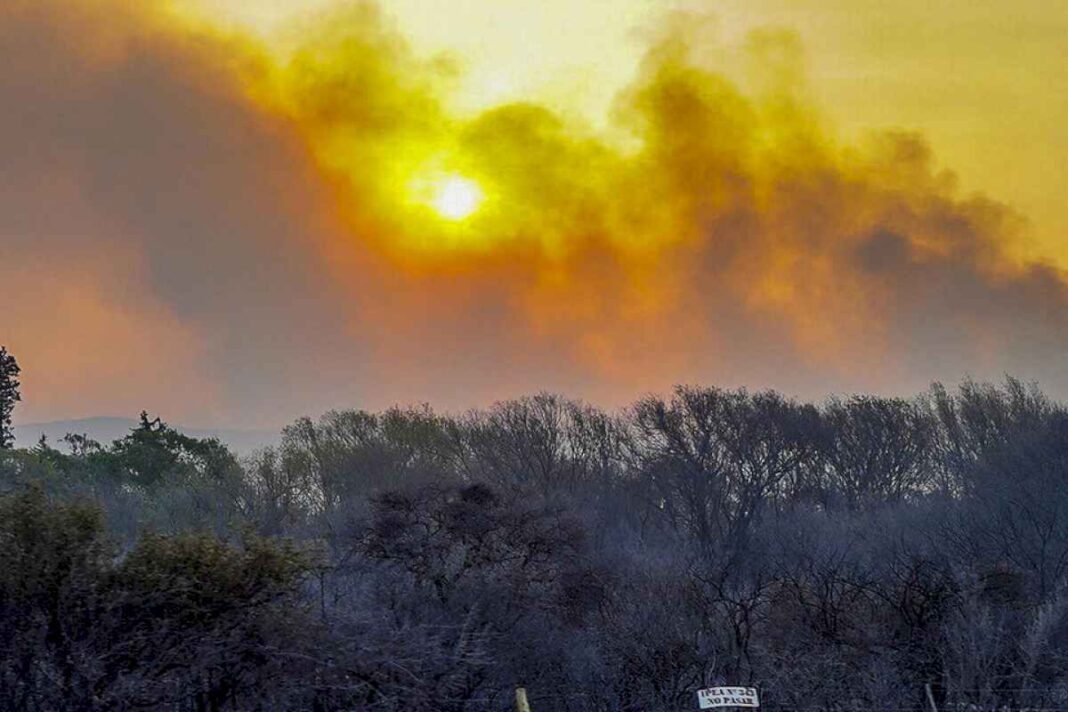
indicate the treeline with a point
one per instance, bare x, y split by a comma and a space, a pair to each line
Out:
839, 556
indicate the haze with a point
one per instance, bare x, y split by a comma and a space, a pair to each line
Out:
210, 212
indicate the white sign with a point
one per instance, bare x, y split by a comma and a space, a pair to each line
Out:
727, 697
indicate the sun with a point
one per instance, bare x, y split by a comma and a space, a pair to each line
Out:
456, 197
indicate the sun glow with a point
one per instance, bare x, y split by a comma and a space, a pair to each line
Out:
456, 197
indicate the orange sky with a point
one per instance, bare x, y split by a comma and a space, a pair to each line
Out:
241, 217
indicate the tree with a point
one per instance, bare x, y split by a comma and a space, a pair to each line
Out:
714, 458
188, 622
9, 396
879, 450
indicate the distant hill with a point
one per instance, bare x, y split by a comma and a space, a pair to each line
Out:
105, 430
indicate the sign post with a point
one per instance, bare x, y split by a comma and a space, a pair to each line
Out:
521, 704
727, 697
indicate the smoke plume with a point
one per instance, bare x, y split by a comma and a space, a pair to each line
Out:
196, 223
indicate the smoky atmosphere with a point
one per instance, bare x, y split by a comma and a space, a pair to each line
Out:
493, 355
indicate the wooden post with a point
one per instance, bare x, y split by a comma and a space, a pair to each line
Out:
521, 704
930, 697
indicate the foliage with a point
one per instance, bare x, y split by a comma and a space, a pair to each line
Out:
9, 396
837, 555
188, 621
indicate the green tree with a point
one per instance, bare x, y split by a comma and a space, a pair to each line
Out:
188, 622
9, 396
155, 454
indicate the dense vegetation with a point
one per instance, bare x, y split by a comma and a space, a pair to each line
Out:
838, 556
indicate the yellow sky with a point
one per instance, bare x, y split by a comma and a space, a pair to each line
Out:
982, 79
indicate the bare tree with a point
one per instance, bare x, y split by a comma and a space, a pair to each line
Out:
878, 450
713, 459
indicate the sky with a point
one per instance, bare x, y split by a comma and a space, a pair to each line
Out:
977, 77
243, 211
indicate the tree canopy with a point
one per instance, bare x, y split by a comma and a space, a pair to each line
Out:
9, 395
838, 555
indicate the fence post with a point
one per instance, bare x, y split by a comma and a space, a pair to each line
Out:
521, 704
930, 697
